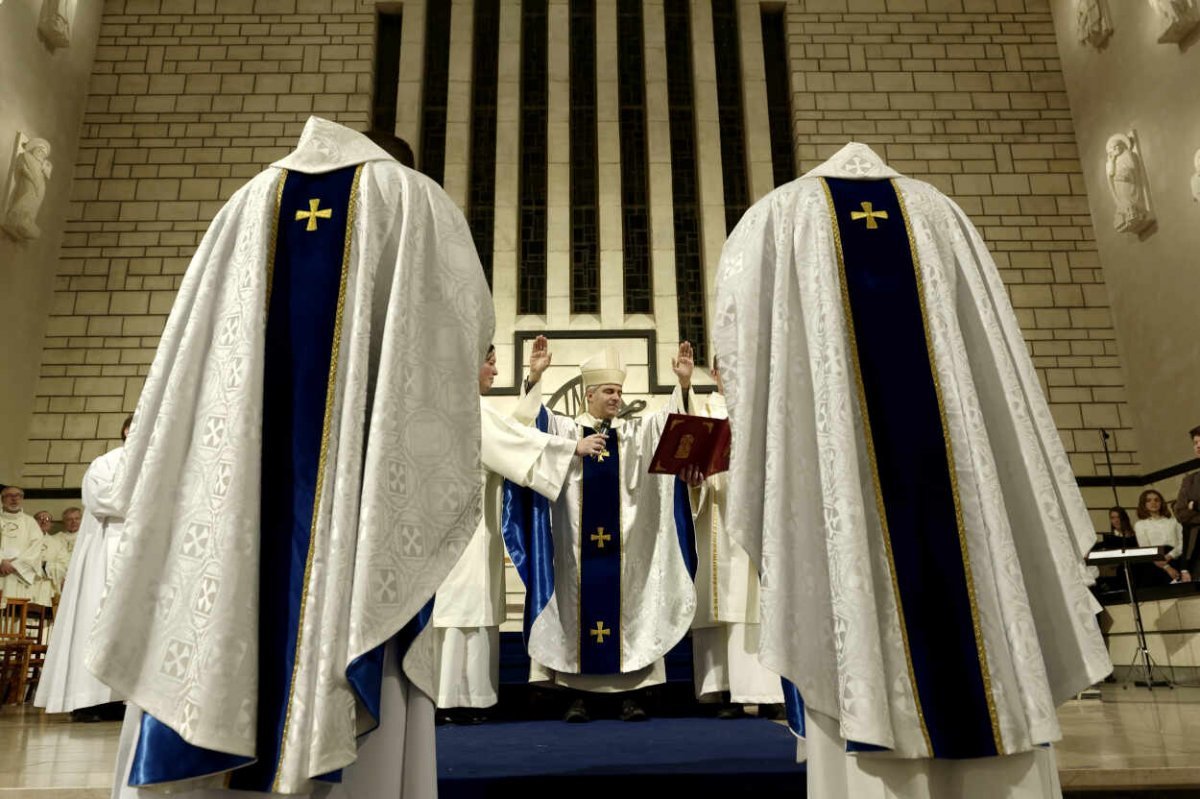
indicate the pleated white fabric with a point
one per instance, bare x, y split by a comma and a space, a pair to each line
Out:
66, 683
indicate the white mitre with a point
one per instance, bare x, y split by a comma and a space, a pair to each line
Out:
603, 367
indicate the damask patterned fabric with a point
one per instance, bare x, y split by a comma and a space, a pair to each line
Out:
803, 499
178, 633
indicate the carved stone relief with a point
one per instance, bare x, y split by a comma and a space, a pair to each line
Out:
54, 23
1178, 18
1196, 178
1127, 183
26, 187
1092, 25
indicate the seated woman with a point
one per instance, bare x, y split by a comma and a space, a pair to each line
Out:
1156, 527
1120, 535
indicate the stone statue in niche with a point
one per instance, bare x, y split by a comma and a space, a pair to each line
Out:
54, 23
1091, 22
1127, 182
30, 170
1178, 18
1196, 178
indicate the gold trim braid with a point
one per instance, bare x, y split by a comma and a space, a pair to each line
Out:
958, 517
330, 400
870, 440
271, 243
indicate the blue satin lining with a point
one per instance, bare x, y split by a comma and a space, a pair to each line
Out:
365, 673
794, 704
525, 528
685, 526
163, 756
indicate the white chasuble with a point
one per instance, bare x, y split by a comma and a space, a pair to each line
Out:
725, 629
302, 471
621, 593
66, 683
21, 544
455, 659
896, 473
58, 557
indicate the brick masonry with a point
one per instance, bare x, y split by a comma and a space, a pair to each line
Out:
189, 98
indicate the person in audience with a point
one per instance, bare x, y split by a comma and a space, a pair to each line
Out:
72, 518
1187, 505
1120, 535
52, 569
20, 546
45, 520
1120, 529
1155, 527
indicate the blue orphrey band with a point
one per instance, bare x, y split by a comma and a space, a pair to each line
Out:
306, 282
917, 486
600, 561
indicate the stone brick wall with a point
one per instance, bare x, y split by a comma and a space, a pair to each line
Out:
969, 95
189, 98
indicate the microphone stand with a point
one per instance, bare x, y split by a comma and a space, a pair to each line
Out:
1112, 480
1143, 649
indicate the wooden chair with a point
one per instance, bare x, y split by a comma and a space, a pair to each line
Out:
38, 621
15, 649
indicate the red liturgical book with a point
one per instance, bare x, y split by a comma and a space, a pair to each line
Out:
692, 440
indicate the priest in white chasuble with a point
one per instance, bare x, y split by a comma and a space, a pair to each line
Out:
21, 546
47, 585
608, 591
898, 478
725, 629
302, 472
66, 684
456, 657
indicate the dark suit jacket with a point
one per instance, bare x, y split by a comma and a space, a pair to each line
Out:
1189, 491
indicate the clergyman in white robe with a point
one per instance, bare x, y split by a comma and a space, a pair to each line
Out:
21, 547
456, 658
898, 477
725, 629
595, 633
66, 683
302, 472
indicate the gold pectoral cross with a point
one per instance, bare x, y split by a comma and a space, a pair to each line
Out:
312, 214
600, 537
600, 632
869, 214
603, 453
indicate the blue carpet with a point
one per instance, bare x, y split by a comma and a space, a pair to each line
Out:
694, 757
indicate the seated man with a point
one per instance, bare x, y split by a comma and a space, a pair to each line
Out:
21, 546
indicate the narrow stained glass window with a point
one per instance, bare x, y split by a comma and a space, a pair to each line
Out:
531, 260
689, 265
481, 190
635, 204
585, 224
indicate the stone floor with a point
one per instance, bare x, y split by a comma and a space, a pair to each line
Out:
1139, 745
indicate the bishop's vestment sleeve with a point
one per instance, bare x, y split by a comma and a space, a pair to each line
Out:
525, 455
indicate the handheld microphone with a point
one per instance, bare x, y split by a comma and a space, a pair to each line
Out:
602, 429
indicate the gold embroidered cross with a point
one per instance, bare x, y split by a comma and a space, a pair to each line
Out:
312, 214
869, 214
600, 537
600, 632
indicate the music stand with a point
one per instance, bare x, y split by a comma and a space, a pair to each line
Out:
1126, 557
